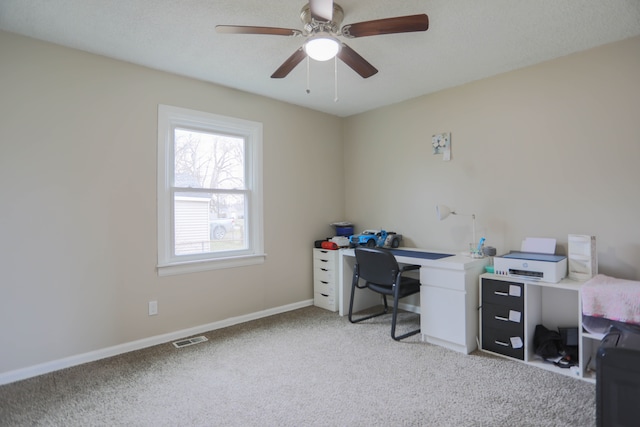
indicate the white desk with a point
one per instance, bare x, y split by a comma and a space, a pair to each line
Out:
448, 297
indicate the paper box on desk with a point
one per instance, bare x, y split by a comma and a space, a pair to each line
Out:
583, 257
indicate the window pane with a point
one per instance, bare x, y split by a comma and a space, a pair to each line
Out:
208, 160
206, 222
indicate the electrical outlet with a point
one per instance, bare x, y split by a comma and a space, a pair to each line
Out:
153, 308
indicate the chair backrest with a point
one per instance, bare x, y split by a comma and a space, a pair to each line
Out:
377, 265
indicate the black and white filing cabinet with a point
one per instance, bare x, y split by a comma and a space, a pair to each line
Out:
325, 278
510, 309
502, 311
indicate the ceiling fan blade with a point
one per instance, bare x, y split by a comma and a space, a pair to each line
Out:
321, 10
401, 24
289, 64
245, 29
356, 62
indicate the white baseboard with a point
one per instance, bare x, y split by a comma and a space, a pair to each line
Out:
79, 359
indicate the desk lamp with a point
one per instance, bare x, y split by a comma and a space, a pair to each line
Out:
443, 212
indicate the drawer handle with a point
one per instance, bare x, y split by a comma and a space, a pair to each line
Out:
502, 294
504, 319
504, 344
325, 295
324, 260
322, 281
324, 269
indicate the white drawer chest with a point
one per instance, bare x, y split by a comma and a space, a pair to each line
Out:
325, 278
449, 302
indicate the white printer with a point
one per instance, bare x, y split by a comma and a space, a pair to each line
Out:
535, 261
532, 266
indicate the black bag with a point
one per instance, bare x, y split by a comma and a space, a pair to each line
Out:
547, 343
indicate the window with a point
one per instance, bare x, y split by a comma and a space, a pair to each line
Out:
209, 191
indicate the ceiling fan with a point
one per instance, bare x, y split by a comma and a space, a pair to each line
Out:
322, 20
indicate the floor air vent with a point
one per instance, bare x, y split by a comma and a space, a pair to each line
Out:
189, 341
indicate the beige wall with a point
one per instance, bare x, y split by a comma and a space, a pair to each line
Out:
78, 245
546, 151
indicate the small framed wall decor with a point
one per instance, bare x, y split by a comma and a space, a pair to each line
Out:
442, 145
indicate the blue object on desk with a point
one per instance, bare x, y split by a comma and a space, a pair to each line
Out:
419, 254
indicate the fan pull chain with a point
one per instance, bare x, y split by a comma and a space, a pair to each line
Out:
335, 76
308, 89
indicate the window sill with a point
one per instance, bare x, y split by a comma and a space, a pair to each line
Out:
206, 265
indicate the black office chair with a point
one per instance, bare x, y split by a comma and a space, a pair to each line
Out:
381, 273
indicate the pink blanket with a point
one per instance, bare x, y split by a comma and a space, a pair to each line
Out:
611, 298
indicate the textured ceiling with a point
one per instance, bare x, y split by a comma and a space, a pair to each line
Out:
467, 40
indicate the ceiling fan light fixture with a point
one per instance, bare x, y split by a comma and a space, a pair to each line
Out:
322, 47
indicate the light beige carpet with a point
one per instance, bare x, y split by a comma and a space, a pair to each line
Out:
308, 367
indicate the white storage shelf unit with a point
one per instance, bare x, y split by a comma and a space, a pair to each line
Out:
554, 305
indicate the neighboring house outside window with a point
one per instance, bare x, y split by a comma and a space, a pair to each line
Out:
209, 191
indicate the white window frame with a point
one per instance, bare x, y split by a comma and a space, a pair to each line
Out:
169, 118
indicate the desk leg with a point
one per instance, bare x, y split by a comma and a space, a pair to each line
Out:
364, 298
